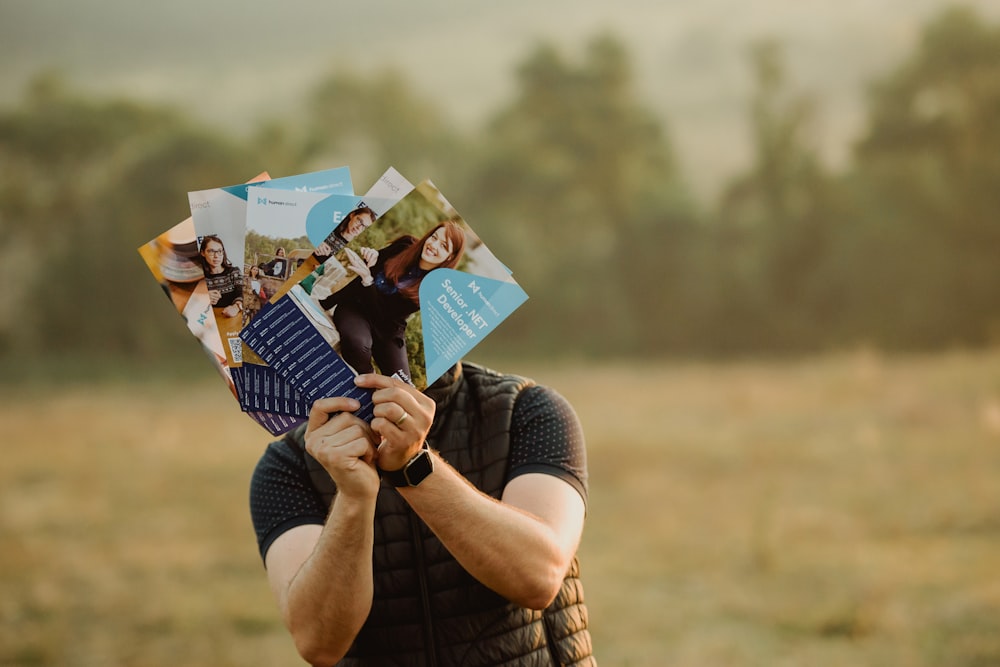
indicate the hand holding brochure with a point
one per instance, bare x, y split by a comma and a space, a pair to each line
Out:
396, 283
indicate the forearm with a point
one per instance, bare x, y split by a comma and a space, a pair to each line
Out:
330, 596
508, 550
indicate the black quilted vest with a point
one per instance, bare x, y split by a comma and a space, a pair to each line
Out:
427, 610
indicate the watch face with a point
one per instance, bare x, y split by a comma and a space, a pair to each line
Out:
419, 468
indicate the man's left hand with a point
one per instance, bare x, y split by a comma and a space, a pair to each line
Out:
403, 418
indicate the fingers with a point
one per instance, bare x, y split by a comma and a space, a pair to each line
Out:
392, 415
348, 455
377, 381
350, 443
324, 408
390, 390
402, 418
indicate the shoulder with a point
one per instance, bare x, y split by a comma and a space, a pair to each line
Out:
547, 437
539, 403
281, 460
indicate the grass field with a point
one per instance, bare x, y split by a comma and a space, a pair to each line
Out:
843, 510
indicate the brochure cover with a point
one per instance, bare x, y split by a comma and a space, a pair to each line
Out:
172, 259
278, 219
389, 189
219, 216
413, 294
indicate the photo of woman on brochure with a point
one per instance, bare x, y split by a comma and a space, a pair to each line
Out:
370, 313
349, 228
224, 281
322, 264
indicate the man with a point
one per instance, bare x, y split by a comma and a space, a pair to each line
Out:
452, 531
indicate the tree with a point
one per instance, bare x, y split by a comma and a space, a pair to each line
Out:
578, 185
374, 122
775, 224
928, 168
90, 181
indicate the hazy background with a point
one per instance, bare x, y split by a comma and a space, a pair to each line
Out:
761, 244
717, 179
235, 62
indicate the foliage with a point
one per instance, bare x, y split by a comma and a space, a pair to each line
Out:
261, 249
579, 190
370, 122
775, 222
928, 168
574, 184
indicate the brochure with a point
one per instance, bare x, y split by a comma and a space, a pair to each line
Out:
171, 258
394, 282
283, 219
412, 295
219, 216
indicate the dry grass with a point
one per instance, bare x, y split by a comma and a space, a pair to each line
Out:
839, 511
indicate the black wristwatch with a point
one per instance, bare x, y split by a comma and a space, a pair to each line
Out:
415, 471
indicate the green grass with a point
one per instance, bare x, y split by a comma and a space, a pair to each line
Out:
837, 511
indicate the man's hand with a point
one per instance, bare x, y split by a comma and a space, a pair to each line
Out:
403, 417
344, 445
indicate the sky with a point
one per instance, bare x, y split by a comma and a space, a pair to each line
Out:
233, 62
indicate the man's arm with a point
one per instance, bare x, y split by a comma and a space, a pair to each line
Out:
520, 546
321, 576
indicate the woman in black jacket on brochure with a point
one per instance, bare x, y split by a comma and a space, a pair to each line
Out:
370, 312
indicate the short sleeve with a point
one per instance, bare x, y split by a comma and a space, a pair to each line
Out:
281, 494
546, 437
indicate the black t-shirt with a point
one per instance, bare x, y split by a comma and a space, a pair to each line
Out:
546, 437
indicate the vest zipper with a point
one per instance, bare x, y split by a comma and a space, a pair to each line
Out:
418, 549
550, 641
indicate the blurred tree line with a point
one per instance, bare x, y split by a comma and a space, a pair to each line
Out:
574, 184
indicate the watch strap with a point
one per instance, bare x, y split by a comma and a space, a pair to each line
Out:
413, 471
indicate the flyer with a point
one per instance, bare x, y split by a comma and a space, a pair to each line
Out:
171, 258
394, 281
287, 219
219, 216
415, 292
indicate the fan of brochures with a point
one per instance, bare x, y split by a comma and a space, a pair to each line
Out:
295, 285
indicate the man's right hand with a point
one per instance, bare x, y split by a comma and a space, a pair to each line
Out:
344, 445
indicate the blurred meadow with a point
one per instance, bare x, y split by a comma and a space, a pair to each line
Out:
841, 510
762, 247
